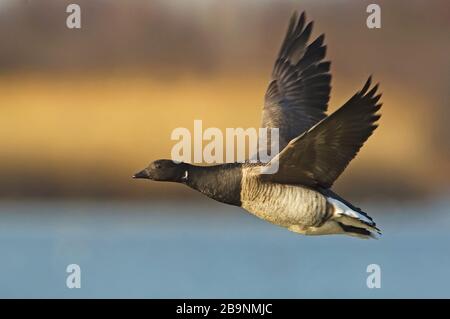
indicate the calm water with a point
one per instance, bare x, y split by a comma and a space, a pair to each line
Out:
157, 249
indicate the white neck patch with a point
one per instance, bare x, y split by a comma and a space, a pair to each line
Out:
185, 176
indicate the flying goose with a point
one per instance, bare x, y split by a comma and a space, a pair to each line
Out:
315, 148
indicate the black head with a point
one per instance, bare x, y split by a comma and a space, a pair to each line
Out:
164, 170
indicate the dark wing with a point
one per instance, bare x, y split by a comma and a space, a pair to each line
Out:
299, 90
320, 155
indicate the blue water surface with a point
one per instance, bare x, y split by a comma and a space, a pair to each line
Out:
209, 250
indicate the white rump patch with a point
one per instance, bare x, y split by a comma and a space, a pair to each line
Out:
341, 209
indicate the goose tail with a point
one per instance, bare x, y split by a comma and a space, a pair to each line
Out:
353, 222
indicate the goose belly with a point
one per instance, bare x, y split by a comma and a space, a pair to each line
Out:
285, 205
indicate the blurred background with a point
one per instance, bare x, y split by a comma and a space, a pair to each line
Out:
81, 110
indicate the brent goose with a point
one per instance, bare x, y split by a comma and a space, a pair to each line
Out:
315, 148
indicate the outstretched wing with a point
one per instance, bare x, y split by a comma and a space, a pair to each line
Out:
320, 155
298, 93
